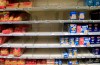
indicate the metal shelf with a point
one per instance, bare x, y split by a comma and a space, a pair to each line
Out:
48, 34
32, 56
55, 8
50, 21
52, 45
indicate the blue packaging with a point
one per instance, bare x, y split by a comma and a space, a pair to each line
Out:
70, 51
65, 54
76, 41
96, 51
98, 40
81, 15
62, 40
71, 41
89, 2
74, 52
73, 15
90, 27
70, 63
96, 27
86, 41
96, 2
73, 28
85, 29
66, 40
92, 40
56, 62
60, 62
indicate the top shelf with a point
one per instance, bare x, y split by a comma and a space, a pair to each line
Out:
54, 8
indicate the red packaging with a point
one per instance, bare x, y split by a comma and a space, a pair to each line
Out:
3, 39
81, 41
17, 52
7, 31
4, 51
79, 28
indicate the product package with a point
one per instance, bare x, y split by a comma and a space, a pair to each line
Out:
71, 41
86, 41
72, 28
85, 29
76, 41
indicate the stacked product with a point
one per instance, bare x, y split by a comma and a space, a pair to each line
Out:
15, 52
92, 2
12, 16
75, 41
14, 4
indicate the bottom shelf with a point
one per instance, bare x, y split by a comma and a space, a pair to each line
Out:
49, 62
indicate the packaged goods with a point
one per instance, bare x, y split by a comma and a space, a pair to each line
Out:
96, 2
3, 3
74, 52
98, 40
76, 41
4, 51
95, 27
62, 40
65, 54
72, 28
96, 51
79, 29
25, 4
7, 31
60, 62
81, 41
70, 51
21, 62
56, 62
3, 39
73, 15
2, 61
89, 2
81, 15
92, 40
12, 5
85, 29
17, 52
7, 62
90, 28
86, 41
71, 41
70, 63
66, 40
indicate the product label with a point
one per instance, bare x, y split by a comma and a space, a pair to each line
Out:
73, 28
81, 41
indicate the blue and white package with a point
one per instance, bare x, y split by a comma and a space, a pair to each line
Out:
85, 29
92, 39
86, 41
62, 40
96, 2
56, 62
89, 2
65, 54
90, 27
60, 62
70, 51
76, 41
66, 40
81, 15
98, 40
73, 15
71, 41
96, 51
96, 27
73, 28
70, 63
74, 52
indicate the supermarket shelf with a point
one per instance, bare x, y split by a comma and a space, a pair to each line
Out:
47, 8
59, 56
51, 21
52, 45
48, 34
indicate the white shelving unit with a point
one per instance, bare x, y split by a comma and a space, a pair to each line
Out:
48, 17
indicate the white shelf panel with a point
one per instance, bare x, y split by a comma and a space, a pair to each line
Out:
55, 56
51, 21
48, 34
46, 8
52, 45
